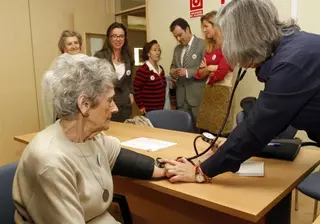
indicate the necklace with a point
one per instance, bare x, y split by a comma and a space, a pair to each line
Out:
116, 60
105, 194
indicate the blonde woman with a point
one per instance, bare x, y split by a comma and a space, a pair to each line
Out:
215, 69
70, 42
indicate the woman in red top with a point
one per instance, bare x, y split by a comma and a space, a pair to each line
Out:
219, 77
150, 81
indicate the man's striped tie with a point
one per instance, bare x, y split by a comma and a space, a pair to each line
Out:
185, 56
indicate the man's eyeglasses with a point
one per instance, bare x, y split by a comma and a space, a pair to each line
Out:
116, 37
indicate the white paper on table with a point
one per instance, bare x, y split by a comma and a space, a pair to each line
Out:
251, 169
147, 144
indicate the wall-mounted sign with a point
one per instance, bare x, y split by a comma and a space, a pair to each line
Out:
196, 8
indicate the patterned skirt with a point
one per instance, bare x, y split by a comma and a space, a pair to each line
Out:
213, 109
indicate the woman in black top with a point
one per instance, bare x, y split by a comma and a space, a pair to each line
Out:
116, 51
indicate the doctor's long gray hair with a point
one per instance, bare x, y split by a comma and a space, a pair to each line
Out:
251, 31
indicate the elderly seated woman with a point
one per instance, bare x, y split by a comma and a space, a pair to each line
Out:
65, 173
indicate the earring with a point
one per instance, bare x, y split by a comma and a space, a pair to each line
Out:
86, 114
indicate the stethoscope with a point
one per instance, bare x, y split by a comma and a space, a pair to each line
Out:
207, 136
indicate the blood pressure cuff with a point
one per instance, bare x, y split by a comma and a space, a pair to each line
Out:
134, 165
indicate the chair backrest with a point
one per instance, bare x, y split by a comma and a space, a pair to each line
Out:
240, 117
6, 202
247, 105
171, 119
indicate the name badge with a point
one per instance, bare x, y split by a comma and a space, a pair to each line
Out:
194, 56
214, 57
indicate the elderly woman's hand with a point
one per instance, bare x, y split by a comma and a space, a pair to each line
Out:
181, 170
158, 172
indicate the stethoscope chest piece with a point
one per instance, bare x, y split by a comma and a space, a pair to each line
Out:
158, 163
207, 137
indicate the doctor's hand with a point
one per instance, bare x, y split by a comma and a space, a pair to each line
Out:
181, 170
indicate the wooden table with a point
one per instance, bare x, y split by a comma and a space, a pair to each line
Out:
228, 199
317, 221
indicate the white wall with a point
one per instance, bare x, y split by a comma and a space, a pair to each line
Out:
30, 33
18, 114
309, 16
50, 18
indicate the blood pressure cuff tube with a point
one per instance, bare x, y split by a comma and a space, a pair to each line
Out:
134, 165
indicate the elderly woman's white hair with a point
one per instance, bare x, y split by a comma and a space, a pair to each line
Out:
251, 31
71, 76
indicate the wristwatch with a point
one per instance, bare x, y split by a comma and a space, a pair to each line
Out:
200, 176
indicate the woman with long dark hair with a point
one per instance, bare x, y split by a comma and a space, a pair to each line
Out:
116, 50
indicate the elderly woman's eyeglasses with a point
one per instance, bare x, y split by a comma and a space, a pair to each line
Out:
116, 37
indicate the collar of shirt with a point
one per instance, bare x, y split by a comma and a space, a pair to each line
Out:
263, 71
120, 70
148, 63
190, 42
184, 49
